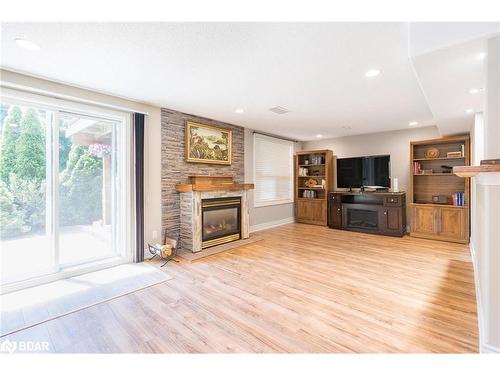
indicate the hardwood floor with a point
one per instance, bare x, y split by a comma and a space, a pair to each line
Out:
336, 292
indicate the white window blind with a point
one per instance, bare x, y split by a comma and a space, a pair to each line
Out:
273, 171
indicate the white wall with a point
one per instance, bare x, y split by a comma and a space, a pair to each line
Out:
394, 143
152, 198
264, 217
485, 239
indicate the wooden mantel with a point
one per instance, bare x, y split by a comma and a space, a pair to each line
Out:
212, 183
487, 166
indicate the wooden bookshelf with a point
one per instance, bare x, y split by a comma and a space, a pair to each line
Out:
428, 219
311, 202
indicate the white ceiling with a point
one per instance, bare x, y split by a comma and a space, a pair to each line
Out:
426, 37
316, 70
446, 76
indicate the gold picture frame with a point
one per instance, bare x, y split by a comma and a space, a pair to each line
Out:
208, 144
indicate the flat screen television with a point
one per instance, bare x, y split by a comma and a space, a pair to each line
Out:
365, 171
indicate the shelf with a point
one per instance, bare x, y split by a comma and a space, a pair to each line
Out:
316, 165
429, 159
311, 199
428, 218
365, 203
441, 141
434, 174
439, 205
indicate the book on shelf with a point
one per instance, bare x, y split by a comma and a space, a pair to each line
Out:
417, 167
458, 199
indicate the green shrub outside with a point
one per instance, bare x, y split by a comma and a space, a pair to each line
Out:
22, 177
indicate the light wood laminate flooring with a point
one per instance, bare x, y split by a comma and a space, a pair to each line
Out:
302, 289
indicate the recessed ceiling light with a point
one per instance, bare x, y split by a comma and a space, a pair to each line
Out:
372, 73
27, 44
239, 110
475, 91
481, 56
319, 135
470, 110
413, 123
346, 127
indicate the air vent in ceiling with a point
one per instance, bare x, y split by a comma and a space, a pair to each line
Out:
279, 110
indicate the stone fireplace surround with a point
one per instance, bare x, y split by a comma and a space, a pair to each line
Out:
175, 169
205, 187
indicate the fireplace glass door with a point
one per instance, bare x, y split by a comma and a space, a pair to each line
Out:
362, 219
220, 221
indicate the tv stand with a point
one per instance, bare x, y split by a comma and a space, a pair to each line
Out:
368, 212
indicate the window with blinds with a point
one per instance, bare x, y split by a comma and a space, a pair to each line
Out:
273, 171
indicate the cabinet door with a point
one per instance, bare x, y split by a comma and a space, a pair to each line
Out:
336, 218
311, 211
334, 211
300, 210
392, 221
452, 223
424, 220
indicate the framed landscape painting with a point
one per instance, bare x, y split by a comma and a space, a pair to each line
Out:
208, 144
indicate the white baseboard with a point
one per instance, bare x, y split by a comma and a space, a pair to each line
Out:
483, 347
480, 321
479, 305
271, 224
487, 348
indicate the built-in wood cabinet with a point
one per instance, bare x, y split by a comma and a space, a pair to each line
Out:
423, 220
311, 211
314, 167
452, 223
443, 220
439, 222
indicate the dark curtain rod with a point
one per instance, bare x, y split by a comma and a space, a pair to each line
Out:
275, 136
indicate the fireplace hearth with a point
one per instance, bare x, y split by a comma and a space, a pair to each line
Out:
221, 221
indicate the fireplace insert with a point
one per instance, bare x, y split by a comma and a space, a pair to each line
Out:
221, 221
362, 219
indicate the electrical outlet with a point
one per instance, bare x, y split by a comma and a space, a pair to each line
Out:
155, 234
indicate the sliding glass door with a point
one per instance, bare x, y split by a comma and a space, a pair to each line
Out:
88, 153
24, 228
63, 189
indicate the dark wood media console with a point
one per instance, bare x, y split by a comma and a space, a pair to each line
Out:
368, 212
